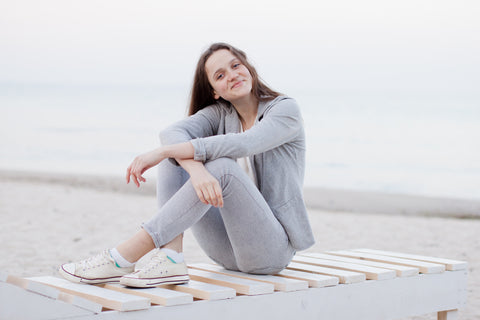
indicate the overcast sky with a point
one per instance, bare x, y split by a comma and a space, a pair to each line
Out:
409, 45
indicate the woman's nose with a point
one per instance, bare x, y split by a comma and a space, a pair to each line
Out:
232, 75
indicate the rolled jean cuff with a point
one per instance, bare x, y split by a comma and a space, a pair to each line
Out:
157, 239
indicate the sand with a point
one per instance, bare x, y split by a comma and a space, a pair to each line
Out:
46, 220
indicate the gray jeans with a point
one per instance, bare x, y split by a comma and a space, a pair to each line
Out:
243, 235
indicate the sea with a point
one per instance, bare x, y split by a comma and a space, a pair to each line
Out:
417, 144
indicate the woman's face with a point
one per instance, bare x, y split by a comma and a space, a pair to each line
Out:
229, 78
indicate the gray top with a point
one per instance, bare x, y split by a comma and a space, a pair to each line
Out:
275, 145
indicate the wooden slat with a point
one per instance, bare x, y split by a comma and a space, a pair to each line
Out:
242, 286
33, 286
80, 302
19, 282
450, 264
42, 289
204, 291
342, 275
401, 271
279, 283
371, 273
314, 280
424, 267
107, 298
161, 296
53, 293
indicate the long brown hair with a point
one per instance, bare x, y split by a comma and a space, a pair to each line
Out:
202, 92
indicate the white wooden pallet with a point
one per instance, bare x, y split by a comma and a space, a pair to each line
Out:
346, 284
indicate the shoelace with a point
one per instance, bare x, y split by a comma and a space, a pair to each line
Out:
156, 259
95, 260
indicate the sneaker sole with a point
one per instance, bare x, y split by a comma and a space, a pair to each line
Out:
73, 278
153, 282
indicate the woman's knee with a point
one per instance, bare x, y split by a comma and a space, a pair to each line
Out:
222, 166
220, 162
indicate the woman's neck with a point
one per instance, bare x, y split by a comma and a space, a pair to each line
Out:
247, 110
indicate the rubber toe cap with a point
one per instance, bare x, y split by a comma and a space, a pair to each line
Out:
69, 267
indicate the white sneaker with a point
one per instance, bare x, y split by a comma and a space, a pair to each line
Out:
160, 270
97, 269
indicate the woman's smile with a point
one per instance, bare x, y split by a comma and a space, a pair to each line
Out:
237, 84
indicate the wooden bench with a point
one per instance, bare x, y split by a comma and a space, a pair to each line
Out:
347, 284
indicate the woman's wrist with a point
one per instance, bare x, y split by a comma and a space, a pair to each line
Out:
189, 164
178, 151
161, 152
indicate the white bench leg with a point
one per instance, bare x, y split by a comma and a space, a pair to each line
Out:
448, 315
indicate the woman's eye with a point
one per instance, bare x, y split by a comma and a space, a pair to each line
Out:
236, 65
219, 76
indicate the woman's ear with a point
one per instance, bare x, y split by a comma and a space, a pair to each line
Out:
215, 95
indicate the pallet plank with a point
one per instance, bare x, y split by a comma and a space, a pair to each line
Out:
342, 275
157, 295
204, 291
279, 283
401, 271
314, 280
42, 289
424, 267
33, 286
371, 273
54, 293
19, 282
107, 298
242, 286
80, 302
450, 264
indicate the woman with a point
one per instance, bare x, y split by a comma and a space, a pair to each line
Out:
233, 171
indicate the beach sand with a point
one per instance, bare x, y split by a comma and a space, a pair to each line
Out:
46, 220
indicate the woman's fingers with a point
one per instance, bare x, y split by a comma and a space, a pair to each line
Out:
210, 193
200, 195
213, 194
211, 198
135, 171
141, 164
128, 175
218, 193
206, 186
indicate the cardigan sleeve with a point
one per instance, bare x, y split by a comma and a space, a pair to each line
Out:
204, 123
281, 123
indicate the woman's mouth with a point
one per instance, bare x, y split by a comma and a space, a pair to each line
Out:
237, 84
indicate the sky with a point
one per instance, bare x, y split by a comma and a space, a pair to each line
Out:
400, 78
345, 46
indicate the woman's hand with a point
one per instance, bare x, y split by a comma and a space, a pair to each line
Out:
206, 186
142, 163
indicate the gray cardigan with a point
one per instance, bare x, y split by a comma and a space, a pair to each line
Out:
276, 146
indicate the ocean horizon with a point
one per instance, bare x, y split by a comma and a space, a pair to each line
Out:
411, 144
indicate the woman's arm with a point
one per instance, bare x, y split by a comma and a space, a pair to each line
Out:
150, 159
280, 124
206, 186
